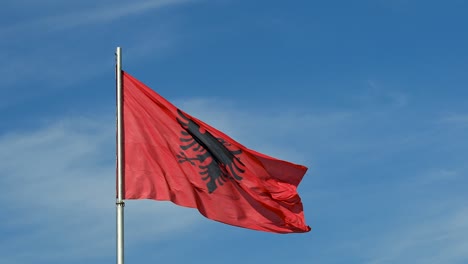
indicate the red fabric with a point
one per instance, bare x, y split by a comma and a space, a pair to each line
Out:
165, 158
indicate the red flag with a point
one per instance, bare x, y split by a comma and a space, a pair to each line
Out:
170, 155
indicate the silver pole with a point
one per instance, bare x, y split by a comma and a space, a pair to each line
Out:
120, 203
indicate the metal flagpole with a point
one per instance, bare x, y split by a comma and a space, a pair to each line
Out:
120, 203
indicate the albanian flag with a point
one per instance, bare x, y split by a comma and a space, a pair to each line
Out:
172, 156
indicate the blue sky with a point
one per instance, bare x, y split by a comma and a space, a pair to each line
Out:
369, 94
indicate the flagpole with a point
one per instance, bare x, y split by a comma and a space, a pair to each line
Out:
119, 203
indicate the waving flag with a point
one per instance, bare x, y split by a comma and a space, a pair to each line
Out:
172, 156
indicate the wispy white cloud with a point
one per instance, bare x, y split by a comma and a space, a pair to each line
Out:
60, 67
436, 176
59, 189
107, 13
458, 118
416, 219
59, 64
435, 239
